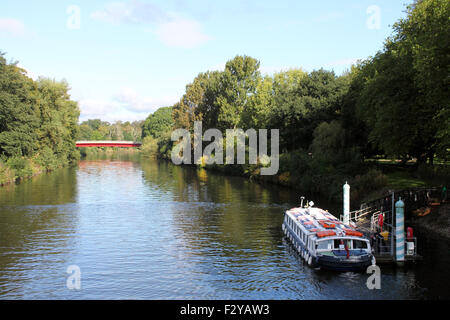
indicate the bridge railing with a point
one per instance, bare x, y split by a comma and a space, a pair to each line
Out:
108, 143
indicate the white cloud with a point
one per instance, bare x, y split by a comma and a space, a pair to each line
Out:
131, 101
125, 105
134, 11
170, 28
95, 108
181, 33
12, 27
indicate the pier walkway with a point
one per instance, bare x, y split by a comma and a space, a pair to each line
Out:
381, 230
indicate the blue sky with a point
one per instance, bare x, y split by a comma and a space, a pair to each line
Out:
123, 59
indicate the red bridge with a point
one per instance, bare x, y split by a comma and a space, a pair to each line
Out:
120, 144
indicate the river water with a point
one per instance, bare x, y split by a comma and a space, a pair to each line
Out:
143, 229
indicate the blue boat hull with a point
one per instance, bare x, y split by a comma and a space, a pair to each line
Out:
339, 264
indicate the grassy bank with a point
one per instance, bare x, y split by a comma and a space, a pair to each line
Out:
16, 169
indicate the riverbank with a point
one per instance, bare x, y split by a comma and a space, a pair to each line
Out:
310, 176
16, 170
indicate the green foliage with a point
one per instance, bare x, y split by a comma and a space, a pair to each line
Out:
165, 145
19, 115
303, 104
95, 129
38, 123
21, 167
6, 174
425, 32
237, 84
58, 129
158, 123
393, 104
150, 147
329, 141
404, 90
47, 159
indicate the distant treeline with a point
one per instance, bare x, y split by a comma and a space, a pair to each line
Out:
395, 104
38, 124
101, 130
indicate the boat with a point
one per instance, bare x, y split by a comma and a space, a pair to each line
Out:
325, 242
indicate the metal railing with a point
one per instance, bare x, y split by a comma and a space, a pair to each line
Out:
357, 215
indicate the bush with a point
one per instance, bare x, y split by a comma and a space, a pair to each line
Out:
47, 159
6, 174
149, 147
21, 167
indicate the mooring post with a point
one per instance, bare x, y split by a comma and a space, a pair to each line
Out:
399, 231
346, 203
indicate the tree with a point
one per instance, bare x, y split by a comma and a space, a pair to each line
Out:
301, 102
186, 111
238, 84
158, 123
405, 93
58, 128
426, 33
257, 112
18, 111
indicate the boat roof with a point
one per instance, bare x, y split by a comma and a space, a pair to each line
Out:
321, 223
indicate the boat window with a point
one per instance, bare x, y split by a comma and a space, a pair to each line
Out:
323, 245
340, 244
359, 244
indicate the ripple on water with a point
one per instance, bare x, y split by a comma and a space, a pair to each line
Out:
150, 230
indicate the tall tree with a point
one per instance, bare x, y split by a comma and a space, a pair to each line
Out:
18, 111
158, 123
405, 94
237, 85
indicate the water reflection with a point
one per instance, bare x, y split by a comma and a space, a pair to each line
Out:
36, 224
145, 229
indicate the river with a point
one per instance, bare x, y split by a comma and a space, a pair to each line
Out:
144, 229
